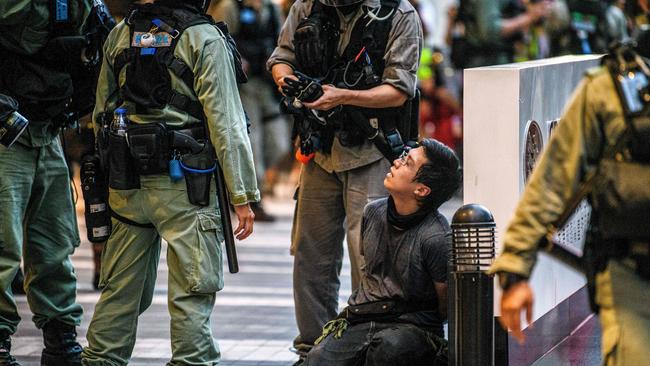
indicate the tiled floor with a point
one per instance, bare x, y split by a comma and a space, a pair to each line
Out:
581, 348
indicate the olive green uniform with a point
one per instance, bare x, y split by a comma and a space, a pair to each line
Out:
193, 233
571, 153
37, 216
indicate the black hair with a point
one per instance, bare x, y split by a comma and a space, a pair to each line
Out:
441, 173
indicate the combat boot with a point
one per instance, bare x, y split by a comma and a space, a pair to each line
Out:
61, 347
6, 359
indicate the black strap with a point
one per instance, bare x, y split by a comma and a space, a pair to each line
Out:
123, 219
184, 103
121, 60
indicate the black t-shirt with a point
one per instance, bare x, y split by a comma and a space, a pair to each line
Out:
402, 265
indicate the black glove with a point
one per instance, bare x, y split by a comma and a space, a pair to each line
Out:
305, 89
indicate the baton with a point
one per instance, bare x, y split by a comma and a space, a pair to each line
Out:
226, 222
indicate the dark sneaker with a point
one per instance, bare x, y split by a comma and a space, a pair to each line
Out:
61, 347
6, 359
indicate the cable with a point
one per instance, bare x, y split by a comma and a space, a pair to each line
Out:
345, 77
373, 16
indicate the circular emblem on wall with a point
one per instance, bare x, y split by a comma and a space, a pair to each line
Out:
532, 148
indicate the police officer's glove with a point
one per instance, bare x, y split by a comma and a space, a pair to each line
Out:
305, 89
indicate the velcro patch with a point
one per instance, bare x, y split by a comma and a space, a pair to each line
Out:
146, 39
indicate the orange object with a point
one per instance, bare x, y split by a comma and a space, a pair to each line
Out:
303, 158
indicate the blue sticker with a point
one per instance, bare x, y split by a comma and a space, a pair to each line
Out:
147, 51
247, 16
61, 10
147, 40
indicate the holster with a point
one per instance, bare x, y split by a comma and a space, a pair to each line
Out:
120, 164
149, 146
198, 184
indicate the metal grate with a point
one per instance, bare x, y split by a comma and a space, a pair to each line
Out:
473, 246
574, 233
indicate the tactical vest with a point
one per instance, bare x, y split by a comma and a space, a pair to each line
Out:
155, 32
42, 73
360, 67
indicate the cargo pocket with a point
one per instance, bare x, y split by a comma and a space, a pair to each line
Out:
207, 268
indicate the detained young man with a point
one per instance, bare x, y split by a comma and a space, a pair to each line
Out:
395, 317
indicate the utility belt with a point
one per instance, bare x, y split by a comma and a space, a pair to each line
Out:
154, 148
379, 311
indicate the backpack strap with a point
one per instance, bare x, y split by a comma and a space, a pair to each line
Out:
174, 22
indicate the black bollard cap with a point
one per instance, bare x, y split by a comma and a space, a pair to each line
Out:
472, 214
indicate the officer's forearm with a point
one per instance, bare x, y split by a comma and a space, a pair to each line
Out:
381, 96
279, 71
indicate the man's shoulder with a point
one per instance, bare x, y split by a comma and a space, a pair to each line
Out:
376, 206
435, 225
301, 7
405, 7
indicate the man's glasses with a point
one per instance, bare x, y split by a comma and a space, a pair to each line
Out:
403, 155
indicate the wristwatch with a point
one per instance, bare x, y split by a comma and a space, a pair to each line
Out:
507, 279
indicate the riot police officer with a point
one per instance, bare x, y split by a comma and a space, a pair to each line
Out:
604, 129
167, 98
365, 53
38, 43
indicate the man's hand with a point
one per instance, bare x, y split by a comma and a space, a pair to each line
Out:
245, 226
514, 300
332, 97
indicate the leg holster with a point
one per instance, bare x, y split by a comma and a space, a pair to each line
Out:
198, 168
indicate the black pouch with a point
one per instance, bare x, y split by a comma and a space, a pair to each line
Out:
149, 145
121, 166
198, 183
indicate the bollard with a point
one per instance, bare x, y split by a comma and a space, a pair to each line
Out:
471, 291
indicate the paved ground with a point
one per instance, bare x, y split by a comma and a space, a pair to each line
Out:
253, 319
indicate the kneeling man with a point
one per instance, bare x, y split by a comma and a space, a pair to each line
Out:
395, 317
